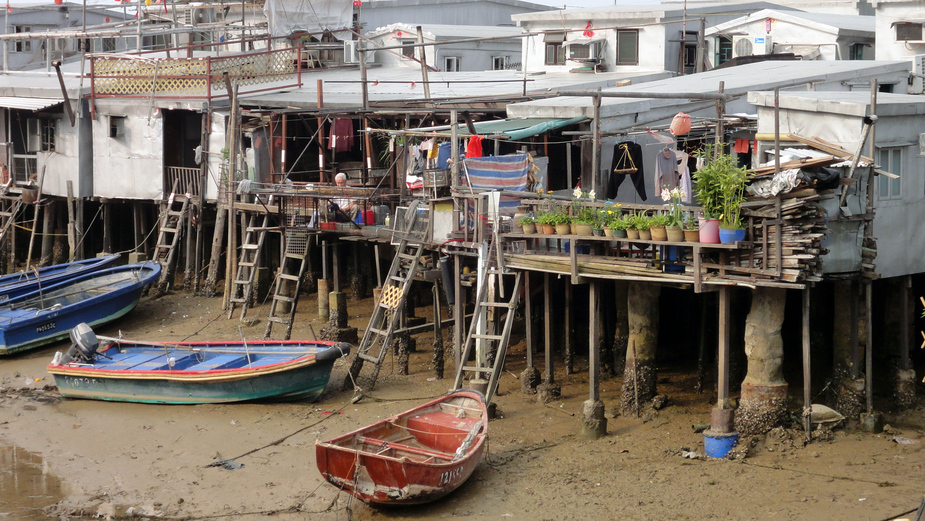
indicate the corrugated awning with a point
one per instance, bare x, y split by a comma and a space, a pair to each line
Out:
510, 128
33, 104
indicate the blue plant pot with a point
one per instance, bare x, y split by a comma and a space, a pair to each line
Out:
727, 236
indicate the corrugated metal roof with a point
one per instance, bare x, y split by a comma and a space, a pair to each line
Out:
33, 104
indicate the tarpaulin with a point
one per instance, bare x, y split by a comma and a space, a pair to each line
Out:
285, 17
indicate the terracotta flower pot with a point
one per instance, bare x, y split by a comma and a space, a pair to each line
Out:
675, 234
608, 232
563, 229
529, 228
581, 229
549, 229
659, 233
645, 235
632, 233
691, 235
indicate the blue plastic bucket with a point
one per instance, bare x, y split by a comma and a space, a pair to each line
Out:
717, 445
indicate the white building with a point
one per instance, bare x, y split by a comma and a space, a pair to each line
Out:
809, 36
622, 38
464, 55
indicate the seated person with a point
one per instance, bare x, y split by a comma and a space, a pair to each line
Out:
341, 209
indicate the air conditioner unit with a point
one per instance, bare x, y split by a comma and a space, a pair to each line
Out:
351, 55
751, 45
918, 75
590, 50
202, 15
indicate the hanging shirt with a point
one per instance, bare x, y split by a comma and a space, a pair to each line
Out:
666, 171
475, 147
341, 135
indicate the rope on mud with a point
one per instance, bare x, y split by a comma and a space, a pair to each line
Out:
230, 461
843, 478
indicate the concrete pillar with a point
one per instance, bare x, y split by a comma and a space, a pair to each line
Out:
849, 392
639, 374
763, 403
337, 328
324, 310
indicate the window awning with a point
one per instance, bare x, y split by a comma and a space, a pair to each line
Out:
33, 104
509, 128
584, 42
554, 37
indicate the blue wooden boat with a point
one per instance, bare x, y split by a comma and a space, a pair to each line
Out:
113, 369
47, 315
16, 284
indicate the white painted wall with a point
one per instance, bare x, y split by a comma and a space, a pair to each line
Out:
130, 166
890, 12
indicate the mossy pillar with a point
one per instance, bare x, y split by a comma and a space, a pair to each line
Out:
763, 403
639, 371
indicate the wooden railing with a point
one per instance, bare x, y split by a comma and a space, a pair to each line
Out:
183, 180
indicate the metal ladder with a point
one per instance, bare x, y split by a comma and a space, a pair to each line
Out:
387, 313
490, 274
287, 286
170, 228
242, 288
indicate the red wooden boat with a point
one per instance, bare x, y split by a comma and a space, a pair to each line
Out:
415, 457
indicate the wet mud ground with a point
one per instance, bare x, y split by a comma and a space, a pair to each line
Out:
71, 458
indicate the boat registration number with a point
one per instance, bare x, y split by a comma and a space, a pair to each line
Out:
450, 475
45, 327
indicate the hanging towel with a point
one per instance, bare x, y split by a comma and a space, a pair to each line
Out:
623, 161
341, 135
741, 146
475, 147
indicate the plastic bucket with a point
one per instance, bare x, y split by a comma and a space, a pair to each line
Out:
709, 231
717, 445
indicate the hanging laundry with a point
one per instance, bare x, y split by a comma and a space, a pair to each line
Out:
341, 135
741, 146
475, 147
680, 124
666, 170
684, 175
627, 156
427, 144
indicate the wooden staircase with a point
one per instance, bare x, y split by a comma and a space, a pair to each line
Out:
387, 313
242, 288
9, 207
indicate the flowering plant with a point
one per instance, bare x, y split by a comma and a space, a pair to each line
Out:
581, 212
674, 196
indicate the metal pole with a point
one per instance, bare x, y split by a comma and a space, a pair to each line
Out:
423, 63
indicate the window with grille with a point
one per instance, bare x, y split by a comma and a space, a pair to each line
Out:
555, 51
908, 31
407, 49
22, 45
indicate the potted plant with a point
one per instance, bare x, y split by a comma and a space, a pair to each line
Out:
583, 216
632, 232
528, 224
732, 182
709, 191
657, 224
643, 222
618, 225
691, 229
547, 220
675, 224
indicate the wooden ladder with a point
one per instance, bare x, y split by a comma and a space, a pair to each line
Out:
491, 273
170, 228
242, 288
387, 313
9, 207
288, 283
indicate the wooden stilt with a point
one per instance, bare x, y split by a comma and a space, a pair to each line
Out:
48, 234
807, 398
548, 378
722, 383
855, 325
594, 345
528, 318
459, 312
869, 383
137, 234
905, 363
71, 225
569, 345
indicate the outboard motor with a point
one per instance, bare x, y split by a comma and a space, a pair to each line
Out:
83, 345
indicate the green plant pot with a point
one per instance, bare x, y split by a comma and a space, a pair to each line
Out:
622, 234
598, 232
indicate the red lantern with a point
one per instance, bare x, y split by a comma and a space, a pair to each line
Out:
681, 124
357, 3
59, 2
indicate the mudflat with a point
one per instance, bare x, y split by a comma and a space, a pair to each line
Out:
118, 460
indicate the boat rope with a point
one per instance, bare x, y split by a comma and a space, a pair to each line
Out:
278, 441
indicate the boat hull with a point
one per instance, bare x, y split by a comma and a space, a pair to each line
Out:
25, 328
151, 380
365, 464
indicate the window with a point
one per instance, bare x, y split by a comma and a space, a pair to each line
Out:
22, 45
451, 63
891, 161
116, 126
856, 51
723, 50
41, 135
555, 51
108, 45
906, 31
499, 63
407, 49
628, 47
